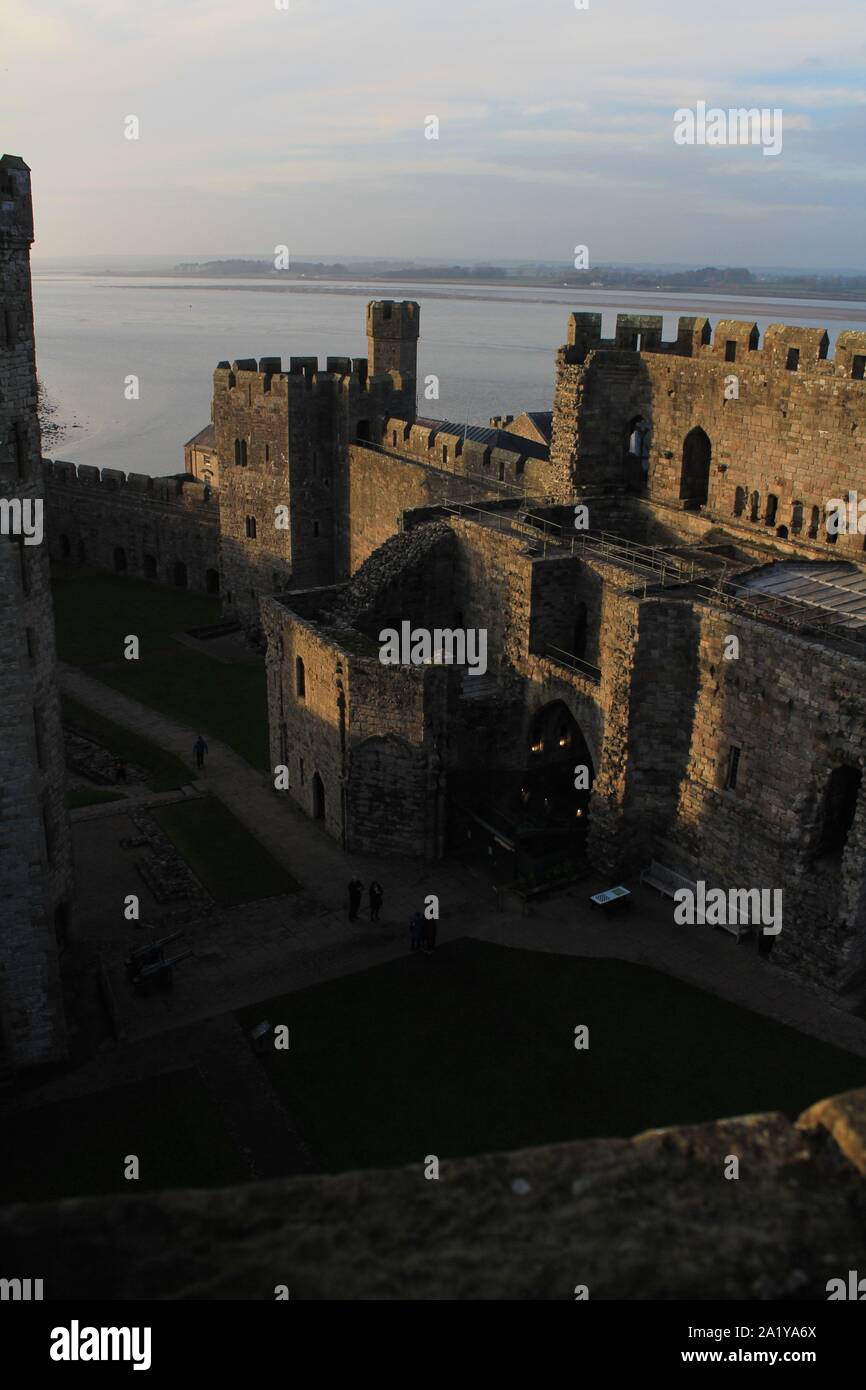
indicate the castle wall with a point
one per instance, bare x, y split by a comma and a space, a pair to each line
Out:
363, 728
282, 440
35, 843
133, 524
384, 485
788, 430
767, 832
674, 707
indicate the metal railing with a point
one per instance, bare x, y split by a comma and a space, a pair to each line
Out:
797, 615
639, 559
574, 663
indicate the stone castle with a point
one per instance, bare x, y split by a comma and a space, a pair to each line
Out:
667, 609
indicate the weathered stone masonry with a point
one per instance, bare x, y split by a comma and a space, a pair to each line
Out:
161, 529
35, 851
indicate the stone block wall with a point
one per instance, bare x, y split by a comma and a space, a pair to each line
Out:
35, 844
797, 711
161, 529
283, 440
368, 731
785, 424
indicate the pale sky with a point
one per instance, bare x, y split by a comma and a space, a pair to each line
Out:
261, 127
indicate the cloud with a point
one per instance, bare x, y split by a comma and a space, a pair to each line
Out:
247, 110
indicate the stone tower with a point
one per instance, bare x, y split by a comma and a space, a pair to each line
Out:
35, 846
283, 440
392, 347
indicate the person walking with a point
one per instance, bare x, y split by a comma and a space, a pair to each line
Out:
356, 888
377, 893
200, 749
416, 931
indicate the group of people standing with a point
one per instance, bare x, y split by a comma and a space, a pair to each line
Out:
375, 892
422, 931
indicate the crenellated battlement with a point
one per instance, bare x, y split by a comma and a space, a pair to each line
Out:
785, 347
304, 377
172, 491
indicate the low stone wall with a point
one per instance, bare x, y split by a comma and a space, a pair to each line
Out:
647, 1218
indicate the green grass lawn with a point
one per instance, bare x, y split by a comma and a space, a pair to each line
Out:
221, 852
78, 1146
471, 1049
165, 771
95, 611
90, 796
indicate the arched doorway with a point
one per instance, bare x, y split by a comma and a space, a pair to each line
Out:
695, 475
557, 783
318, 790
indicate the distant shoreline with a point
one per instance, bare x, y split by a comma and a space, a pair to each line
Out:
731, 291
699, 301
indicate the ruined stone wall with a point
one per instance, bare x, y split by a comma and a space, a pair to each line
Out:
367, 730
797, 710
134, 524
35, 843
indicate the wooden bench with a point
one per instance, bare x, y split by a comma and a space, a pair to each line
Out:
667, 881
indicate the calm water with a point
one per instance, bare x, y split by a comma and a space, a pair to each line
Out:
492, 349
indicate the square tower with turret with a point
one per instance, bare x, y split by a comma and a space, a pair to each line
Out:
283, 440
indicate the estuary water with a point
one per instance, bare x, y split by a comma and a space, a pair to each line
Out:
493, 349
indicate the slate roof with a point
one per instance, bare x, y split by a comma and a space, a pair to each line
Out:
205, 439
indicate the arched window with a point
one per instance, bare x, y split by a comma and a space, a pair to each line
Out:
739, 501
814, 523
755, 507
772, 508
250, 526
300, 678
695, 474
797, 518
241, 453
